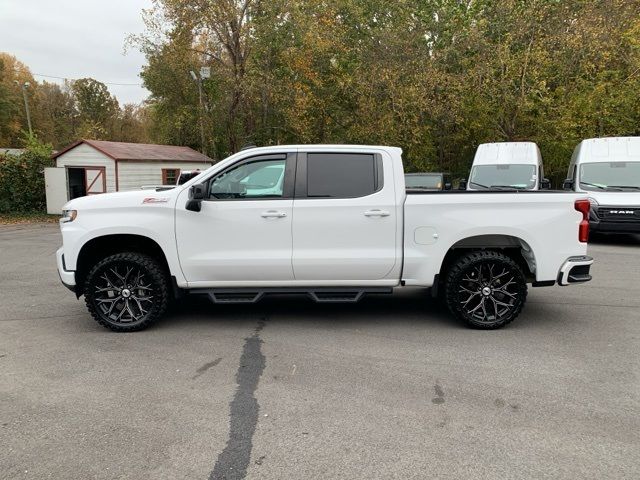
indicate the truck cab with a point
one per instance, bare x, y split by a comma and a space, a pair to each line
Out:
608, 171
507, 165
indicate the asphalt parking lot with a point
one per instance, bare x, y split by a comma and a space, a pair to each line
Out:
389, 388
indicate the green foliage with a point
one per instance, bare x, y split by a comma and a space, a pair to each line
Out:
22, 178
96, 108
436, 78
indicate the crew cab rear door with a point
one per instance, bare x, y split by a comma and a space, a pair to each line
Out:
345, 218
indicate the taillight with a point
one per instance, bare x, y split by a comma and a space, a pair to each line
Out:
583, 206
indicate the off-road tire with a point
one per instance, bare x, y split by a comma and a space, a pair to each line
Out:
154, 283
478, 278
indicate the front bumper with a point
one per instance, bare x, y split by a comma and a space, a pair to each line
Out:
575, 270
67, 277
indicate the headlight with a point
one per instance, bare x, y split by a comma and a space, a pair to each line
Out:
68, 216
593, 202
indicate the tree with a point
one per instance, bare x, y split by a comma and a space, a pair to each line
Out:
56, 118
184, 35
13, 75
96, 108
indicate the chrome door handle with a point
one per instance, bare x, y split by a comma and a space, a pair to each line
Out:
376, 213
273, 214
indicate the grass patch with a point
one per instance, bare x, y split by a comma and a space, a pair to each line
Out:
26, 218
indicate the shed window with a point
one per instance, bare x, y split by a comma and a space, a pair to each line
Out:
170, 176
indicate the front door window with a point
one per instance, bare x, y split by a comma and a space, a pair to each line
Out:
254, 180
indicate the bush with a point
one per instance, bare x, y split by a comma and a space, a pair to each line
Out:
22, 179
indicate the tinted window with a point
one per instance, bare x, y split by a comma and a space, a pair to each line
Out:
342, 175
261, 179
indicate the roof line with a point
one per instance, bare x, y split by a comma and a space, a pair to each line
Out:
93, 145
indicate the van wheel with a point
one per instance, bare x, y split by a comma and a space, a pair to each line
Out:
126, 292
485, 289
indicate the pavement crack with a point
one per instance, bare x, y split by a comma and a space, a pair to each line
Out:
233, 462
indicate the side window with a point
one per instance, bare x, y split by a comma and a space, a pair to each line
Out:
343, 175
259, 179
170, 176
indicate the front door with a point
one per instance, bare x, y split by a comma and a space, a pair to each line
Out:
242, 234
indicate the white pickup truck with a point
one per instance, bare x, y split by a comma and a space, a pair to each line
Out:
334, 222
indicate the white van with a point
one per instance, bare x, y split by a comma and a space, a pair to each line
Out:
608, 169
510, 165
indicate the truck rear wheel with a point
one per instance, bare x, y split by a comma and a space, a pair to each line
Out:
126, 292
485, 289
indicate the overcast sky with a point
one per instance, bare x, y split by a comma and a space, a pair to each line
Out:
76, 39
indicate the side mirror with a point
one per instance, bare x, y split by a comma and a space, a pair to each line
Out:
463, 184
545, 184
447, 185
196, 195
568, 184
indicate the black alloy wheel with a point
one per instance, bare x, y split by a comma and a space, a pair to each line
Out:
486, 289
126, 291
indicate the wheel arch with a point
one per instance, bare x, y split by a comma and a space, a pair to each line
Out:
100, 247
515, 247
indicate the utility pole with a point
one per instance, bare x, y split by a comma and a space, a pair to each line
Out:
198, 80
24, 87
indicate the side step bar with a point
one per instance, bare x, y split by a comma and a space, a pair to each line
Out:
319, 295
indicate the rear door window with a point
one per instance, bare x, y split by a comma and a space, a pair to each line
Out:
343, 175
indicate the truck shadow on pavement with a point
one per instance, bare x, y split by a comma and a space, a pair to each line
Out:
411, 308
415, 307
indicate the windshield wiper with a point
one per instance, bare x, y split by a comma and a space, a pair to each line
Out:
595, 185
478, 185
632, 187
510, 187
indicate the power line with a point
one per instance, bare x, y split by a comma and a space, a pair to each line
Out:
74, 79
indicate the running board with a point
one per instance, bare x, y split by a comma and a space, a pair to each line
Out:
319, 295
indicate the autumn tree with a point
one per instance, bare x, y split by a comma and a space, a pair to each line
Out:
96, 108
436, 78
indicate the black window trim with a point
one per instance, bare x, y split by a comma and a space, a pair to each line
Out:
289, 177
301, 191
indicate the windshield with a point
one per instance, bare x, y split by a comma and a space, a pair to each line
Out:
612, 176
424, 181
515, 176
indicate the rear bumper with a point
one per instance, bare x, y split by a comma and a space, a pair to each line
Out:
614, 227
575, 270
67, 277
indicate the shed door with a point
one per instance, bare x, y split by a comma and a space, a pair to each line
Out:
55, 181
95, 180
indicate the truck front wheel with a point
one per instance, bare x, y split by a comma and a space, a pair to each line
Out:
126, 292
485, 289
